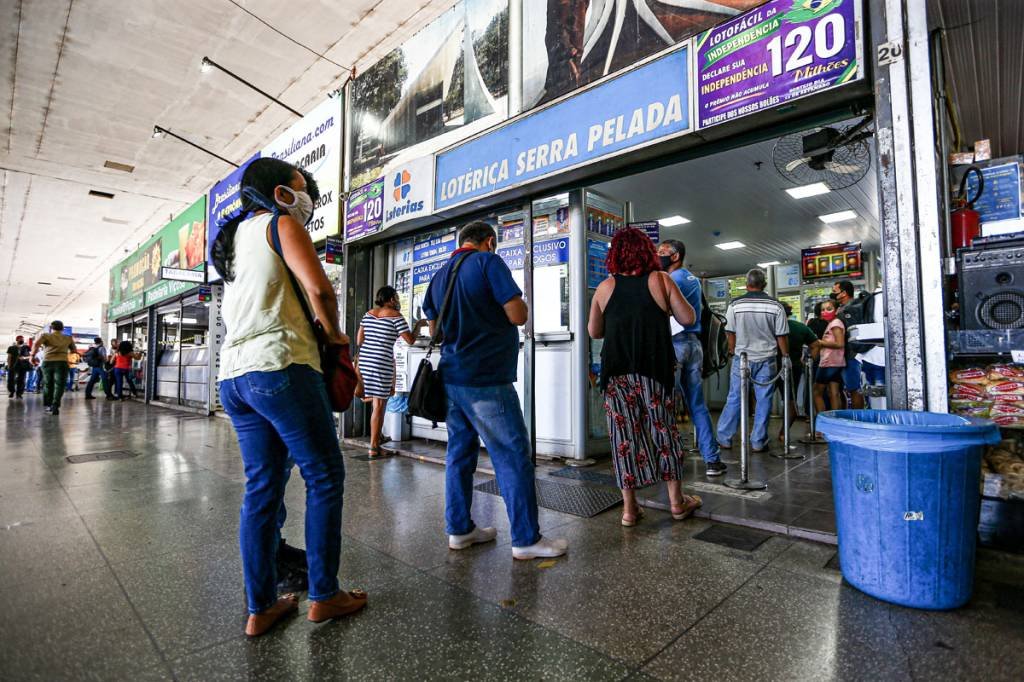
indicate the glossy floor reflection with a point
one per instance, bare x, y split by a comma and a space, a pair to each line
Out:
129, 569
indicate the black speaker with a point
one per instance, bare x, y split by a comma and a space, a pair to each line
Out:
992, 286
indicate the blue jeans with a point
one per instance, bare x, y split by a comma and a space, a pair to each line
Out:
72, 377
96, 374
120, 376
493, 414
690, 357
35, 376
729, 421
277, 416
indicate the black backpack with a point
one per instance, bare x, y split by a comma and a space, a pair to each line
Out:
713, 340
92, 358
860, 310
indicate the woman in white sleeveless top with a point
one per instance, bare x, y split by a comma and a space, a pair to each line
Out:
272, 388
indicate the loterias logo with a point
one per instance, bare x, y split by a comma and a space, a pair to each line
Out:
402, 187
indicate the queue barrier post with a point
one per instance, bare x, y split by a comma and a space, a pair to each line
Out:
787, 392
744, 482
812, 434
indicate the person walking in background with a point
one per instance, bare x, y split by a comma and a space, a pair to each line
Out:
95, 357
126, 353
689, 355
108, 368
630, 311
35, 372
756, 325
831, 361
273, 390
18, 366
55, 346
479, 358
381, 327
800, 337
73, 359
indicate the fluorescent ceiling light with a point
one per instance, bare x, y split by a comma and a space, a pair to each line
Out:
837, 217
728, 246
811, 190
673, 220
768, 264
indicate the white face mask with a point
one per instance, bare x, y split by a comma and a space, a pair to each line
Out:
301, 206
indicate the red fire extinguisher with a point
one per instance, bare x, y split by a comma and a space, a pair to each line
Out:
966, 222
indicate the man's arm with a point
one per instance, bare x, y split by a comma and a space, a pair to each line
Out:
731, 337
783, 342
516, 310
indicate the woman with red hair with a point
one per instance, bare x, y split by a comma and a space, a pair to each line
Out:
630, 312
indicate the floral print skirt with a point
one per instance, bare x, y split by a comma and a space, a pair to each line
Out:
646, 447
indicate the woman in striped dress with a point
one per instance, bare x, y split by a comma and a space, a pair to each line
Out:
380, 329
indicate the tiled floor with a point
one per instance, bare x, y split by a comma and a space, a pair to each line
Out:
129, 569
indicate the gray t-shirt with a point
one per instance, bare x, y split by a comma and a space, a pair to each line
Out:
756, 319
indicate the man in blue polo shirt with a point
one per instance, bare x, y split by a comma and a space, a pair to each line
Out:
690, 355
479, 358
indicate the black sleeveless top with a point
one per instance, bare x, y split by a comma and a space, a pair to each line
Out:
637, 336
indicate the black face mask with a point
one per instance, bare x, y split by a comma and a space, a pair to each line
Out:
666, 262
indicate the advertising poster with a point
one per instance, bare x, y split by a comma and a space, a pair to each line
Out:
403, 254
551, 252
314, 144
637, 108
433, 245
403, 285
570, 43
181, 244
718, 288
597, 257
1002, 198
453, 72
421, 276
511, 230
787, 276
651, 228
409, 191
224, 202
365, 210
778, 52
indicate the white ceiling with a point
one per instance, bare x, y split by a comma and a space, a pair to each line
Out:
727, 198
82, 82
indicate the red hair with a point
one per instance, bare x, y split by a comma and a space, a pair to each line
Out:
632, 253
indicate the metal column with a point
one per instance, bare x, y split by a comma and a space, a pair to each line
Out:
578, 314
529, 342
911, 263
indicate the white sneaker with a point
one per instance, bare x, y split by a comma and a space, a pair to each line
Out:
475, 537
545, 548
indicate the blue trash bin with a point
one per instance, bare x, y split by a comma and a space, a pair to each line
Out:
907, 500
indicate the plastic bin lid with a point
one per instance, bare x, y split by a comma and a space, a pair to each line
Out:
902, 431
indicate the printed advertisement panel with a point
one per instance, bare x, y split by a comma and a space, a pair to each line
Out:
365, 212
314, 143
597, 257
551, 252
452, 73
225, 202
637, 108
181, 244
433, 245
778, 52
568, 44
1002, 198
409, 191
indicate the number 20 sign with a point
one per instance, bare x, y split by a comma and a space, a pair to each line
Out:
775, 53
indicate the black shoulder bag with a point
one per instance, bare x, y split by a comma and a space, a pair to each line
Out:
427, 397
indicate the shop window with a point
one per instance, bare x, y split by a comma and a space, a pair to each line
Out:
194, 385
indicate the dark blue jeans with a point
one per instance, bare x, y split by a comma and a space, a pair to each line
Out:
690, 358
491, 414
96, 374
277, 415
120, 376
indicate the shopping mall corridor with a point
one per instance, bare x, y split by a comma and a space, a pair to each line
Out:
129, 569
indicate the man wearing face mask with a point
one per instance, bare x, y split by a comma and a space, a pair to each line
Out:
479, 358
690, 355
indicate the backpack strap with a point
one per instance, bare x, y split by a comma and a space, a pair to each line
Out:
275, 239
435, 340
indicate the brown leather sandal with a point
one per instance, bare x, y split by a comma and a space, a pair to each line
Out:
341, 604
686, 511
261, 622
630, 520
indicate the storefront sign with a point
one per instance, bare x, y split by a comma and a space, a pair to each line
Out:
787, 276
183, 275
225, 202
214, 296
775, 53
409, 191
314, 144
552, 252
334, 250
1001, 198
651, 228
597, 257
434, 245
181, 245
635, 109
365, 213
422, 274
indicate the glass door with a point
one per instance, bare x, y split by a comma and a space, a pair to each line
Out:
166, 354
195, 328
140, 343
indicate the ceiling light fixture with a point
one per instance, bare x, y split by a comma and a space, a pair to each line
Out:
115, 221
100, 195
67, 279
45, 284
729, 246
768, 264
804, 191
114, 165
837, 217
208, 64
673, 220
159, 132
